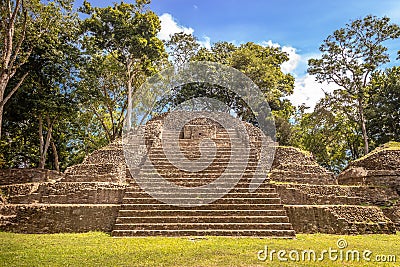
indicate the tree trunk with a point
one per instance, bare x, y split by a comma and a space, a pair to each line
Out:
41, 140
129, 87
56, 162
1, 119
3, 85
363, 126
44, 145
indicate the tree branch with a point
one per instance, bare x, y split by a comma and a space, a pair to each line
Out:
4, 101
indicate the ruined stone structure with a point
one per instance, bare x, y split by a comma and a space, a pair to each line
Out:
381, 167
378, 169
298, 196
292, 165
238, 213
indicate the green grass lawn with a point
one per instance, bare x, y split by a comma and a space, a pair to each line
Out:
99, 249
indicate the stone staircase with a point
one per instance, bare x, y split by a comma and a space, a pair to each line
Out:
238, 213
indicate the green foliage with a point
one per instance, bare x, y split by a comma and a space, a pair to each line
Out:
27, 26
263, 66
129, 34
124, 31
182, 47
47, 91
83, 73
102, 92
383, 109
330, 132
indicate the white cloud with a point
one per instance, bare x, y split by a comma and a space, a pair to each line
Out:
308, 91
294, 58
206, 42
270, 43
169, 27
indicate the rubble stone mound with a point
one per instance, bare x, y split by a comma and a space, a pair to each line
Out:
104, 165
379, 167
296, 166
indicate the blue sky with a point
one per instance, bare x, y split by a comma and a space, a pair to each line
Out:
303, 24
298, 27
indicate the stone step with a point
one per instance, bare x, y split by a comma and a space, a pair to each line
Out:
198, 158
251, 232
203, 226
215, 186
244, 190
221, 189
203, 219
233, 201
167, 166
211, 164
196, 151
219, 135
180, 212
7, 217
222, 142
195, 158
212, 206
219, 156
234, 171
194, 177
200, 195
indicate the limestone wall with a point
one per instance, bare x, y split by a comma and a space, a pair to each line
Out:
380, 160
19, 176
307, 194
104, 165
393, 213
64, 193
339, 219
57, 218
358, 176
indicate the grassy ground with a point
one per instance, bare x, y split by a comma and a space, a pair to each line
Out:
99, 249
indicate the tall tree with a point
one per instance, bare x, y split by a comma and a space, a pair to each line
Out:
128, 32
102, 92
351, 55
44, 100
24, 26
